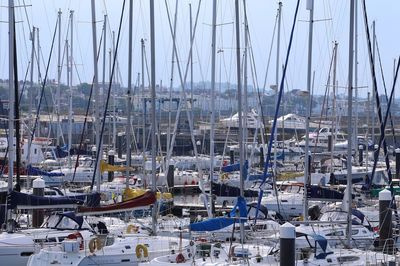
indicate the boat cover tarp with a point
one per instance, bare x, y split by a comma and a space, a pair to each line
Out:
61, 152
36, 171
318, 192
17, 198
224, 190
239, 210
230, 168
322, 248
144, 200
73, 216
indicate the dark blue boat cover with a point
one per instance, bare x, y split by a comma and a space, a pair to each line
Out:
239, 211
17, 198
36, 171
224, 190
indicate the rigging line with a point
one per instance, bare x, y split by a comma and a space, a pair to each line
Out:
24, 83
24, 38
377, 99
108, 97
26, 15
86, 114
183, 81
44, 82
260, 122
270, 52
384, 86
382, 139
147, 66
259, 95
325, 102
266, 167
77, 72
280, 94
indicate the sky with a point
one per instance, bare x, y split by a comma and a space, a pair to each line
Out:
331, 24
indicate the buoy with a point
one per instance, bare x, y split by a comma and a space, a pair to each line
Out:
140, 248
132, 229
77, 236
180, 258
95, 244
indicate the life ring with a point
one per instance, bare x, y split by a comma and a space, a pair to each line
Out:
180, 258
77, 236
95, 244
141, 249
132, 229
224, 176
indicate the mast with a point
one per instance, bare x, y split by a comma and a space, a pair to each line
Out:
111, 122
191, 59
144, 112
103, 85
153, 113
171, 84
367, 131
114, 98
96, 94
69, 105
373, 89
70, 59
30, 93
239, 93
39, 79
356, 73
277, 83
212, 118
71, 14
11, 149
333, 130
129, 100
349, 125
58, 91
245, 79
307, 181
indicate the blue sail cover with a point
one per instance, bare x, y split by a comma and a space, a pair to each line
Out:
36, 171
224, 190
17, 198
234, 167
321, 247
222, 222
61, 152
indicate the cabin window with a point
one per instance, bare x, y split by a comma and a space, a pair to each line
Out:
354, 232
336, 233
347, 259
26, 254
67, 223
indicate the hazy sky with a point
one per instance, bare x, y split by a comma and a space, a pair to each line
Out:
332, 25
